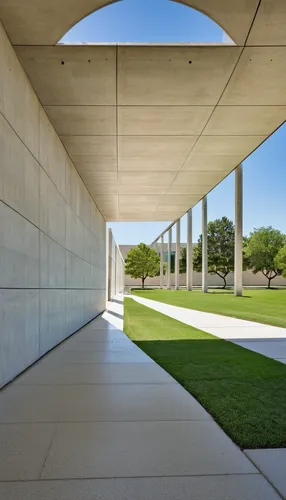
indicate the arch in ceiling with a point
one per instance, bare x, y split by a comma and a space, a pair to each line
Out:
44, 22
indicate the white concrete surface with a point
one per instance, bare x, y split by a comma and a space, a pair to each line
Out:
149, 144
204, 245
238, 244
52, 236
265, 339
116, 268
189, 251
114, 429
271, 463
178, 254
169, 249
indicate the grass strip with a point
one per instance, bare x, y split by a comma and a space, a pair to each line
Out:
263, 306
244, 392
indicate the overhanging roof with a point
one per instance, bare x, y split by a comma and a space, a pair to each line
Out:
152, 129
44, 22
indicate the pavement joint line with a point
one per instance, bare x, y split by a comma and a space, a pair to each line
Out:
262, 474
64, 422
48, 450
236, 474
100, 384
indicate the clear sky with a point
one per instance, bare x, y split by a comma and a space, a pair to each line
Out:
264, 170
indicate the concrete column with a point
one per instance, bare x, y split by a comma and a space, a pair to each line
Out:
205, 245
177, 258
109, 265
238, 257
169, 259
189, 250
162, 263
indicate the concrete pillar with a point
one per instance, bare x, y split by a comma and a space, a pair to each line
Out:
177, 258
189, 250
238, 257
162, 263
205, 245
169, 259
109, 265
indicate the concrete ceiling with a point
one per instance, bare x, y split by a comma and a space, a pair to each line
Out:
152, 129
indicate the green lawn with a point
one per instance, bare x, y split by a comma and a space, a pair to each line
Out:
245, 392
263, 306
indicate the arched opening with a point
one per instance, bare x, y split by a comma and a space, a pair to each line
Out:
148, 21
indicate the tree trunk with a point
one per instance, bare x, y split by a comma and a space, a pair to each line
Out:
224, 280
269, 282
143, 283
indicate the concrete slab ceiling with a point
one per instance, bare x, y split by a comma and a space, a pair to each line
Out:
152, 129
155, 128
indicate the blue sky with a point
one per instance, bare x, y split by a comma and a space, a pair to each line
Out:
264, 170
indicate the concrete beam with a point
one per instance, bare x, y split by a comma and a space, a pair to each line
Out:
238, 257
205, 245
189, 250
177, 259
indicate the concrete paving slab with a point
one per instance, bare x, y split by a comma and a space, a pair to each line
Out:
96, 335
249, 333
145, 449
272, 464
102, 324
59, 388
118, 346
234, 487
81, 374
271, 349
91, 403
23, 449
70, 356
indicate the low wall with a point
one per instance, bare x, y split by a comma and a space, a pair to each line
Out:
249, 279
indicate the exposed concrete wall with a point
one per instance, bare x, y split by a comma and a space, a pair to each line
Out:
249, 279
116, 267
52, 236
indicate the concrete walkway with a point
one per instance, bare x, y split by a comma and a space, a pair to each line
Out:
264, 339
98, 419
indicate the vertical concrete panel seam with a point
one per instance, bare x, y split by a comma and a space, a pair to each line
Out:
39, 241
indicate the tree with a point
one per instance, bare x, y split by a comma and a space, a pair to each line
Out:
183, 260
280, 260
221, 238
142, 262
263, 246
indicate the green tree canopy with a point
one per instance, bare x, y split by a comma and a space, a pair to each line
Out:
280, 260
142, 262
221, 238
263, 246
183, 260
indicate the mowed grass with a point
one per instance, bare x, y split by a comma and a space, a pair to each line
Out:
263, 306
244, 392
